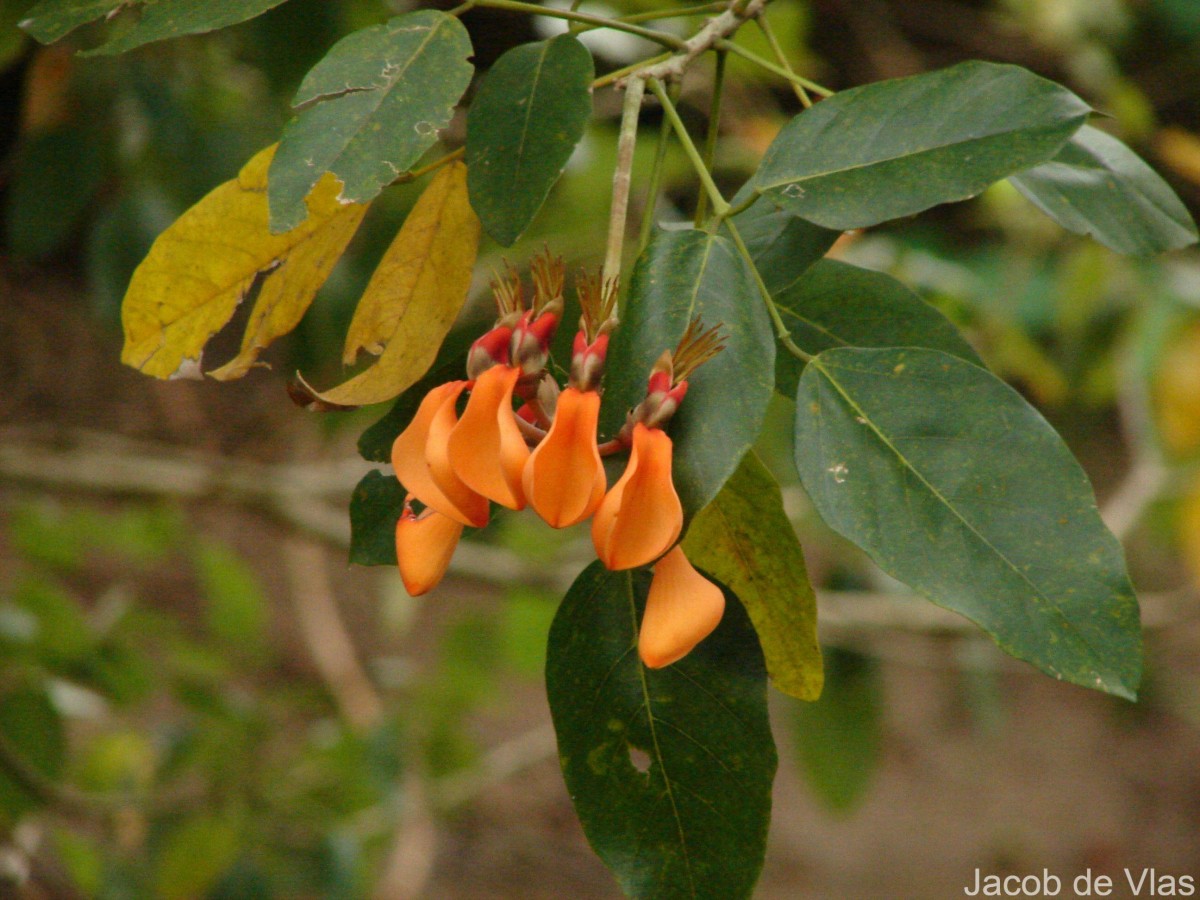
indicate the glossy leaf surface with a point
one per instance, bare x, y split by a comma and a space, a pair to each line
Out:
524, 123
670, 770
1098, 186
681, 275
744, 539
956, 486
895, 148
378, 100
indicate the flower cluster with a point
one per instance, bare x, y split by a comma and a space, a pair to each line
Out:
521, 440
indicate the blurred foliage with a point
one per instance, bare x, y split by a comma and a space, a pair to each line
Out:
166, 749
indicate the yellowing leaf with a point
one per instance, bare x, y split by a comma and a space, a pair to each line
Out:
1176, 390
199, 269
415, 294
1189, 529
744, 538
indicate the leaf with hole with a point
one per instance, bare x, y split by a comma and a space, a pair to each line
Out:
895, 148
528, 115
372, 107
957, 487
1098, 186
670, 770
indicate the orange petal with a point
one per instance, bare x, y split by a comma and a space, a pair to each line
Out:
424, 545
682, 609
641, 517
471, 507
409, 458
564, 477
486, 449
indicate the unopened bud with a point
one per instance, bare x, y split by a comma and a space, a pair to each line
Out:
587, 361
489, 350
530, 345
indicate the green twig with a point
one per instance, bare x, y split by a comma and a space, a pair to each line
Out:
741, 51
659, 37
414, 174
714, 124
720, 207
781, 329
626, 71
660, 156
777, 49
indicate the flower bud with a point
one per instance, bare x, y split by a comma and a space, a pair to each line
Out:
425, 544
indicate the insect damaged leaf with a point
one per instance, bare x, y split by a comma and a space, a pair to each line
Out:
198, 270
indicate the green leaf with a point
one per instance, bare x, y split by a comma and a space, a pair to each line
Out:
898, 147
744, 539
237, 610
174, 18
1098, 186
379, 98
33, 735
782, 245
838, 738
195, 856
835, 304
523, 125
52, 19
375, 508
670, 770
959, 488
683, 274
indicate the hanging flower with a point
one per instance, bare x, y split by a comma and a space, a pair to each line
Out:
436, 486
564, 479
641, 517
682, 609
424, 545
486, 449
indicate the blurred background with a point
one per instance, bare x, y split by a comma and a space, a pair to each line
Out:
200, 698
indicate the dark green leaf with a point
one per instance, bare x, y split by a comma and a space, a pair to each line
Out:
375, 508
683, 274
524, 123
744, 538
50, 20
895, 148
174, 18
670, 770
380, 97
838, 737
835, 304
1098, 186
35, 745
959, 488
782, 245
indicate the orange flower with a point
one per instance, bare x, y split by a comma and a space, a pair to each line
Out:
439, 490
486, 449
641, 517
424, 545
682, 609
564, 479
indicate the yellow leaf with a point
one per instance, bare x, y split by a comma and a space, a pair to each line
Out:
1189, 528
415, 294
1176, 390
199, 269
